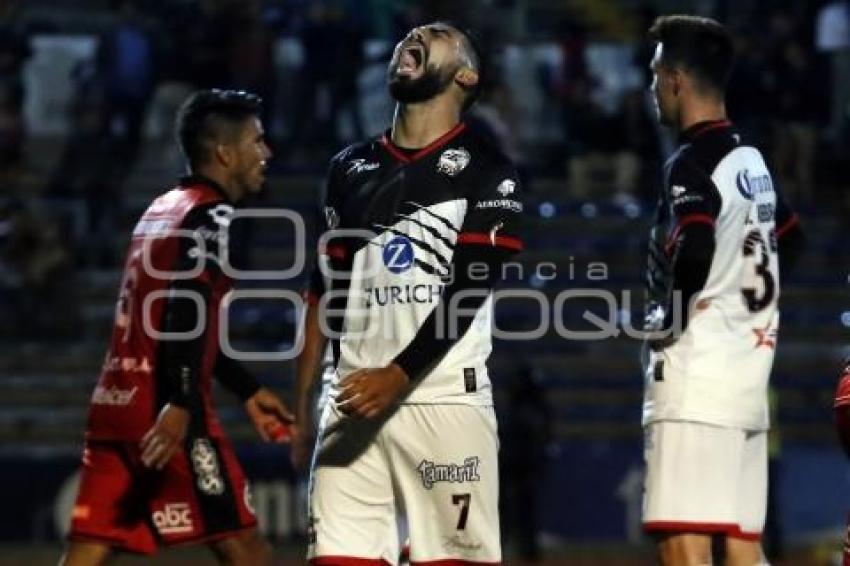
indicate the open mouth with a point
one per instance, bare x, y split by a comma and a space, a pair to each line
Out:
411, 58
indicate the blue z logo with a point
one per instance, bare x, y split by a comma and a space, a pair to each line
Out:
398, 254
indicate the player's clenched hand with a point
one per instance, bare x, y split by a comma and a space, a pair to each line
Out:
270, 416
369, 392
165, 437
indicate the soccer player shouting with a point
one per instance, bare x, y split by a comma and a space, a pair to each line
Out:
420, 221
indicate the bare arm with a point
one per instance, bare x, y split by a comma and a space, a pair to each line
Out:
306, 370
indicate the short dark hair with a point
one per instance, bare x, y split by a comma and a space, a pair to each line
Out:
699, 45
479, 60
204, 116
473, 48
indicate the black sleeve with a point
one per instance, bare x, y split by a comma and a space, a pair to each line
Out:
692, 262
234, 377
181, 359
327, 219
428, 346
695, 205
490, 235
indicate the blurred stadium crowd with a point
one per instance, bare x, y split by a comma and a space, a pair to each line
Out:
88, 89
566, 94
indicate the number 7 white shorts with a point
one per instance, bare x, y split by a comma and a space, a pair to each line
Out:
434, 465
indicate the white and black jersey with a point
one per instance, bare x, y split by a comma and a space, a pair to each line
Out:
415, 241
715, 244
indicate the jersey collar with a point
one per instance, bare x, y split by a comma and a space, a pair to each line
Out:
198, 179
700, 128
400, 155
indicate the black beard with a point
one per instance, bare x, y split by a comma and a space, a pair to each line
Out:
426, 87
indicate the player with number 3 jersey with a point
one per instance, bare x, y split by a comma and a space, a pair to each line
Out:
721, 233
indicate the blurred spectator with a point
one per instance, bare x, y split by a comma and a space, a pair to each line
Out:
652, 141
406, 18
86, 170
380, 15
14, 51
640, 178
526, 435
36, 287
832, 36
127, 69
126, 63
345, 94
333, 58
752, 86
249, 53
197, 45
796, 126
574, 85
599, 159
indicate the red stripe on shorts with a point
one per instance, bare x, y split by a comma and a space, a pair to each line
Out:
729, 529
452, 562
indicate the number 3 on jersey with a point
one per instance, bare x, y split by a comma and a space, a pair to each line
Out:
757, 253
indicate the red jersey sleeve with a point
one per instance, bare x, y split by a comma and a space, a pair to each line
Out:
842, 409
842, 393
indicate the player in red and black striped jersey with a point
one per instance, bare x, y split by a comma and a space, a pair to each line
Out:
157, 467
